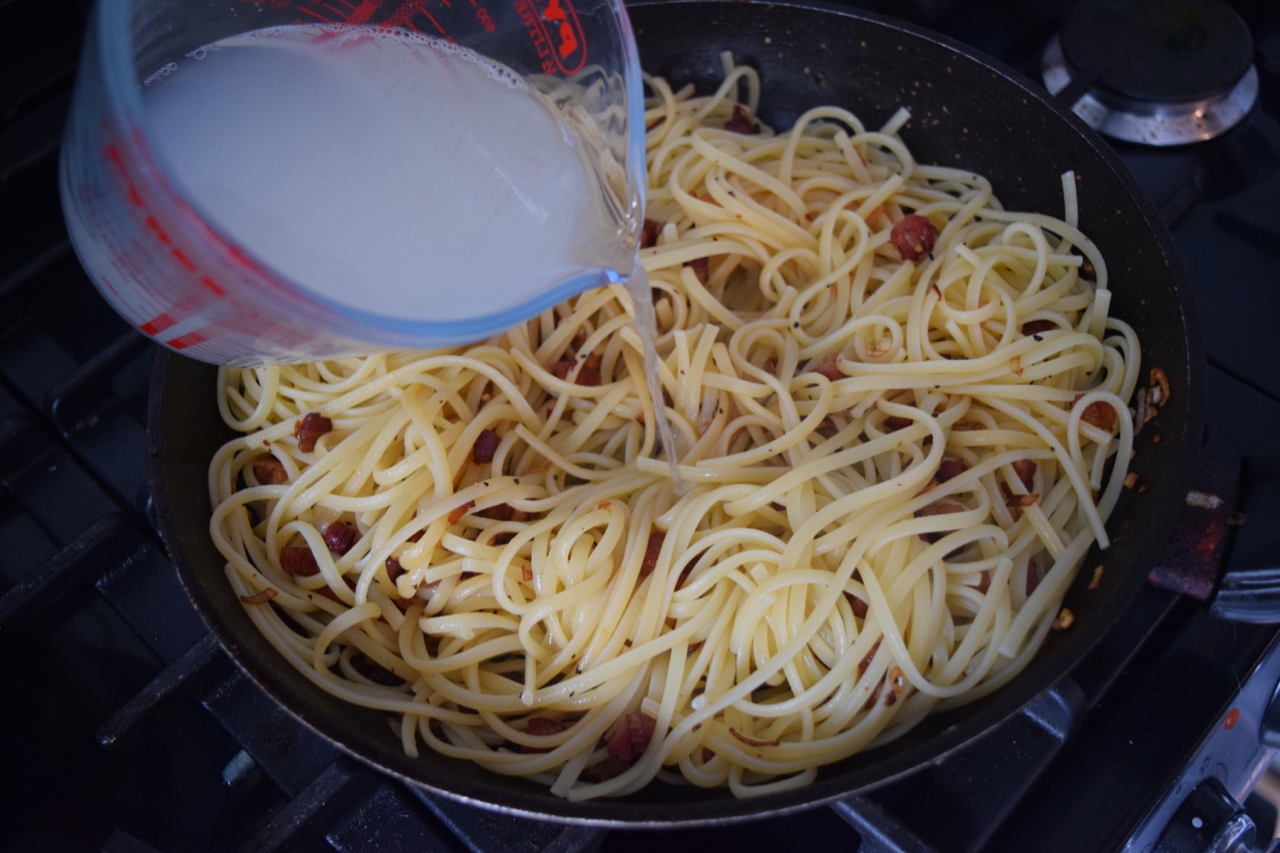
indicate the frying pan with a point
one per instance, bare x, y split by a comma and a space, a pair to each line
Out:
968, 111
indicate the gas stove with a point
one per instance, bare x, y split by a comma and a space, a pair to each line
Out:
127, 730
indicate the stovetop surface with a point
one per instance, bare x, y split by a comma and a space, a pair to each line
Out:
126, 729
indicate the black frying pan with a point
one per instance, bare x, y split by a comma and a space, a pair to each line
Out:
967, 111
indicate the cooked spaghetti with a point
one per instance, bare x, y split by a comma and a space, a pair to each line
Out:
901, 420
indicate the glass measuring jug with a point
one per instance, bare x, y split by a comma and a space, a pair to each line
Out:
286, 180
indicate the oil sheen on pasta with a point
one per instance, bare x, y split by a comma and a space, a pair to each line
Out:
894, 469
381, 170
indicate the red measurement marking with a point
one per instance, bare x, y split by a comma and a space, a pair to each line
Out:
238, 257
364, 11
316, 15
113, 154
187, 340
158, 325
434, 21
135, 197
155, 226
213, 286
331, 9
186, 262
1231, 719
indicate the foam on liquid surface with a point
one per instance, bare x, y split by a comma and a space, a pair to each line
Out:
395, 174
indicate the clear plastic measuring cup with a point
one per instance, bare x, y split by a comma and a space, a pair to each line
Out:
285, 180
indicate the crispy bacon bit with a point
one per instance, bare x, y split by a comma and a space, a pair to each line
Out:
375, 672
526, 573
311, 427
1064, 620
827, 366
897, 679
1026, 471
913, 236
1020, 500
269, 471
486, 443
933, 484
327, 593
889, 698
339, 537
1015, 365
459, 512
770, 366
1097, 577
859, 606
562, 367
588, 377
751, 741
498, 512
541, 727
394, 569
1160, 382
651, 552
950, 469
260, 597
631, 738
984, 582
701, 268
1087, 270
1038, 327
299, 562
1131, 480
501, 538
895, 423
649, 234
742, 121
938, 508
1099, 414
707, 754
605, 770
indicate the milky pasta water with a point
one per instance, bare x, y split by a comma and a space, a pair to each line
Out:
387, 173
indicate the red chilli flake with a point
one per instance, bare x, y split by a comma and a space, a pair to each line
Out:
459, 512
486, 443
751, 741
309, 429
498, 512
742, 121
913, 236
631, 738
651, 552
299, 562
339, 537
260, 597
269, 471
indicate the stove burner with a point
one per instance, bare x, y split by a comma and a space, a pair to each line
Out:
1154, 72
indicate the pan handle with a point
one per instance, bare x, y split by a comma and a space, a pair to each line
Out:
1248, 595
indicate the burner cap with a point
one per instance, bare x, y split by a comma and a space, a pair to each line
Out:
1162, 51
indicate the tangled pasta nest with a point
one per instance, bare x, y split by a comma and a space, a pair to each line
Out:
901, 420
